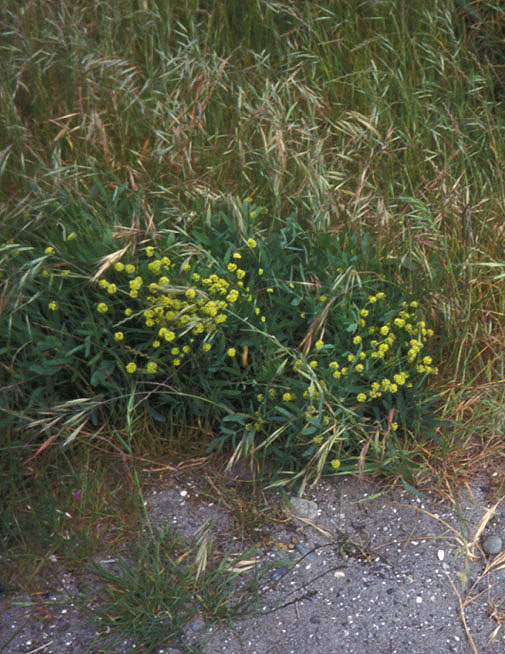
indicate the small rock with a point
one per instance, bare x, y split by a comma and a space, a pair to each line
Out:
305, 551
492, 545
441, 555
304, 508
280, 572
315, 619
197, 624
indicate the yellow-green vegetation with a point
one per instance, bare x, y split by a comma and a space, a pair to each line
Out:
302, 372
380, 124
147, 308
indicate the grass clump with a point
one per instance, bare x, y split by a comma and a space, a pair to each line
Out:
167, 584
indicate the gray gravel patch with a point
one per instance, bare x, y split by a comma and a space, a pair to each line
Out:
358, 570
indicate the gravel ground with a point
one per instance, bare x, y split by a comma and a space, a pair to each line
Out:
360, 571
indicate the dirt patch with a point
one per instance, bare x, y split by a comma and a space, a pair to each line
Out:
357, 569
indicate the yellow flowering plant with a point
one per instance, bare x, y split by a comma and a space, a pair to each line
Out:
276, 336
337, 354
330, 355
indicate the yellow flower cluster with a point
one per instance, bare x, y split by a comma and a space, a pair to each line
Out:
395, 342
176, 311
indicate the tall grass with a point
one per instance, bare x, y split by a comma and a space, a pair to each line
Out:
316, 105
376, 118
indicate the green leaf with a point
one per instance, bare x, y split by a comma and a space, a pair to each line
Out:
411, 488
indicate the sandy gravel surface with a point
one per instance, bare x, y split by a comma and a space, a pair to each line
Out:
358, 570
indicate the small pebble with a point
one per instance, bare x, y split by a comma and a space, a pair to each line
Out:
492, 545
305, 551
197, 624
304, 508
280, 572
441, 555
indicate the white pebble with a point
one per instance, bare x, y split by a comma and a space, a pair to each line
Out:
441, 555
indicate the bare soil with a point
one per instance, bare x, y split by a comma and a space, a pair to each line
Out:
360, 570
